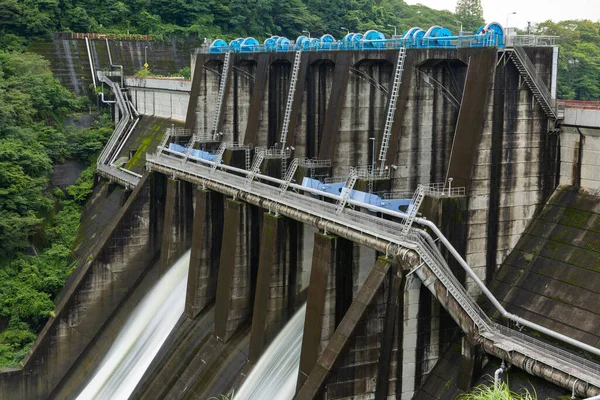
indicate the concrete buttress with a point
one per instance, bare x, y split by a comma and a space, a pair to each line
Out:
343, 333
273, 292
176, 235
471, 116
205, 251
234, 285
331, 269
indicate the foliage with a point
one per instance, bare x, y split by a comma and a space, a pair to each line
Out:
470, 13
38, 224
143, 73
487, 391
579, 58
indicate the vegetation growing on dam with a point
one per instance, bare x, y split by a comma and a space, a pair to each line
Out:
38, 223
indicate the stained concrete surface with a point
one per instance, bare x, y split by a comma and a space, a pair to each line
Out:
554, 271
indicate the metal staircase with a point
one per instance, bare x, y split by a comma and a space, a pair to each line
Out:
389, 119
258, 159
289, 175
288, 107
222, 85
213, 135
219, 156
346, 191
412, 212
534, 81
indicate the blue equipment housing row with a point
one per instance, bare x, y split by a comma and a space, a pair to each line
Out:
337, 188
490, 35
204, 155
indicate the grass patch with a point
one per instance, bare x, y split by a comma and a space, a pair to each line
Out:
487, 391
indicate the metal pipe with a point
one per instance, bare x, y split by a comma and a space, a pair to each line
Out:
449, 247
285, 210
124, 141
110, 61
499, 371
87, 45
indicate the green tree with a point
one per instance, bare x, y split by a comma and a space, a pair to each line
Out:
470, 13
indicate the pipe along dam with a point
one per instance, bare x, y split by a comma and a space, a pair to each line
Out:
367, 218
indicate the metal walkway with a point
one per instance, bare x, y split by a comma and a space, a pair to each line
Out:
105, 165
388, 231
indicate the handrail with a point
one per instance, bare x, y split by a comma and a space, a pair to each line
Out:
87, 45
110, 61
437, 233
536, 79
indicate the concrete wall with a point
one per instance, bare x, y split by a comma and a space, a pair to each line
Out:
452, 103
162, 98
552, 276
70, 63
102, 279
579, 157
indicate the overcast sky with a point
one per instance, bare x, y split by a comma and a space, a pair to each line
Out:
527, 10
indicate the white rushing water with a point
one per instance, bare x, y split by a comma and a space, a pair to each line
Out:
141, 337
274, 376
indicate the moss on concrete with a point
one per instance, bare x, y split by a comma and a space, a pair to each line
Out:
560, 252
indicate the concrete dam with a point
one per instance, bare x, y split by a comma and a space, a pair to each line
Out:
418, 214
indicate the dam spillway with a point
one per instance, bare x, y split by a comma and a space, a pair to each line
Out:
141, 337
466, 127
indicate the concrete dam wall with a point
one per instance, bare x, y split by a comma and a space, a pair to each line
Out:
371, 330
69, 58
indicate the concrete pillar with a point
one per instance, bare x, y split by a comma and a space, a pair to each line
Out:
273, 291
341, 338
176, 235
471, 116
331, 268
470, 366
205, 252
391, 331
331, 126
234, 285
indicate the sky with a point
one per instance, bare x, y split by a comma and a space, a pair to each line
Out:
527, 10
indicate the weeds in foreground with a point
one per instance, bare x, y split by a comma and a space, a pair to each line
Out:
487, 391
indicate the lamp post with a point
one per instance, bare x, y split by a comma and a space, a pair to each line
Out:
308, 33
461, 26
506, 26
395, 30
145, 57
345, 29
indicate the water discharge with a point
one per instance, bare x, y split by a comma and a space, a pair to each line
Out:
274, 376
141, 337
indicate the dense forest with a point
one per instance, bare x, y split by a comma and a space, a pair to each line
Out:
38, 223
21, 20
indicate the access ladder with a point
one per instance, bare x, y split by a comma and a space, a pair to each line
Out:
389, 119
288, 107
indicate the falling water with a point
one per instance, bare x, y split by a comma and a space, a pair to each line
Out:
274, 376
141, 337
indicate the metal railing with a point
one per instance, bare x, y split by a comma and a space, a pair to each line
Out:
450, 42
532, 41
387, 230
273, 153
126, 124
314, 163
534, 81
